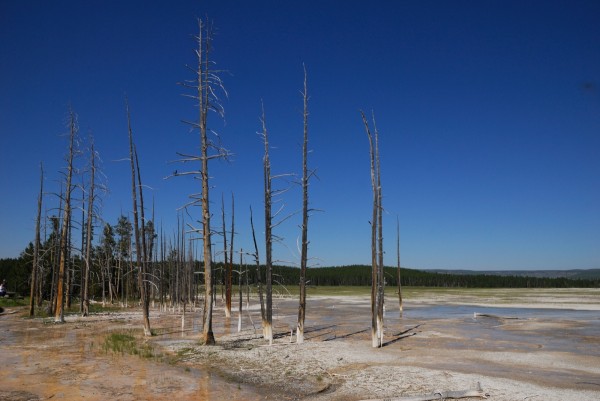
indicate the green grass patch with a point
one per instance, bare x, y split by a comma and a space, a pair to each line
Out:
119, 342
13, 302
125, 343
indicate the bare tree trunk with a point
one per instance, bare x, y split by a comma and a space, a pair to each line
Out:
39, 290
83, 244
36, 247
226, 263
206, 83
144, 283
268, 322
229, 277
240, 306
70, 267
85, 301
374, 235
55, 256
399, 276
263, 314
64, 243
304, 249
205, 86
381, 278
139, 237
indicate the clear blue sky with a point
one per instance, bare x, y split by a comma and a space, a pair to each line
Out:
488, 112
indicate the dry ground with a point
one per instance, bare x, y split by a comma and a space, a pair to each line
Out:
550, 352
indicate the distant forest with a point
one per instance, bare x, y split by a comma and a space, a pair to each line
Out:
17, 271
361, 275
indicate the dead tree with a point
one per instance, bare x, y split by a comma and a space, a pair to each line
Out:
271, 221
399, 275
146, 252
36, 247
70, 268
229, 267
85, 299
55, 256
268, 321
380, 267
263, 314
304, 245
377, 292
227, 257
139, 257
240, 294
205, 86
64, 240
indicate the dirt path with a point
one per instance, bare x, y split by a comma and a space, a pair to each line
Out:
516, 354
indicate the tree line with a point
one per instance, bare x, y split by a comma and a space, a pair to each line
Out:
175, 279
361, 275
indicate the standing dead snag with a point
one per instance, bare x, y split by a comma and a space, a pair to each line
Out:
228, 256
380, 271
140, 264
240, 305
399, 276
269, 226
229, 279
268, 318
205, 87
263, 314
377, 280
85, 299
36, 247
146, 255
225, 263
304, 246
64, 240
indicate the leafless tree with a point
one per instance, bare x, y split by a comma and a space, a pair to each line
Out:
377, 281
263, 313
85, 300
139, 237
64, 240
36, 246
205, 86
380, 267
229, 267
228, 255
240, 294
144, 281
399, 274
304, 245
55, 256
225, 257
268, 321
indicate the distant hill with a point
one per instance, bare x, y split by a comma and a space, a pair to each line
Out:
573, 274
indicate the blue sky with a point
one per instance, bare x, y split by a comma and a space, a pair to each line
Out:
488, 112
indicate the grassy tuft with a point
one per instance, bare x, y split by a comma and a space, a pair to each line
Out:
124, 343
13, 302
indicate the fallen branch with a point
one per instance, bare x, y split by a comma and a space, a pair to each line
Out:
439, 395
